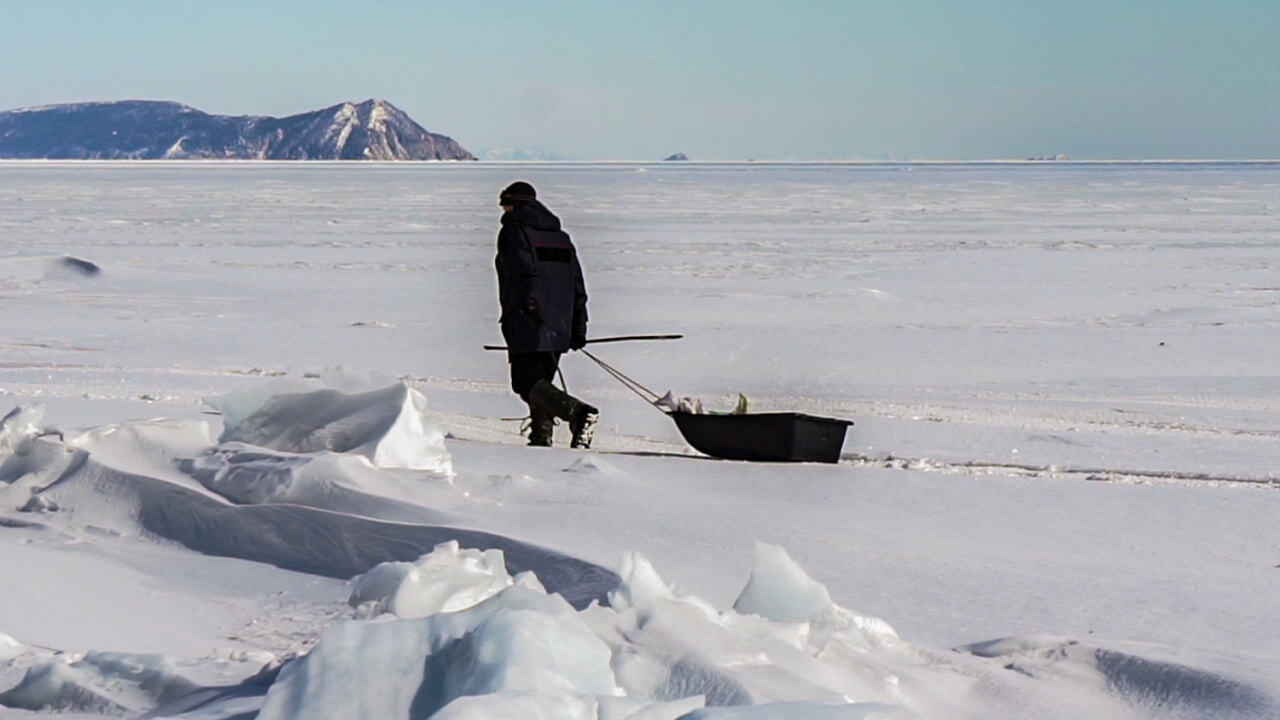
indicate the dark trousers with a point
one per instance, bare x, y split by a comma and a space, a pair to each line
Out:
527, 368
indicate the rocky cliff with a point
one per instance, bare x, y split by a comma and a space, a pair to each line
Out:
143, 129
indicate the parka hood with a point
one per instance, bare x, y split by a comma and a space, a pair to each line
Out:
532, 214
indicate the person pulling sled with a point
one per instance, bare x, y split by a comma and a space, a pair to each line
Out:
544, 312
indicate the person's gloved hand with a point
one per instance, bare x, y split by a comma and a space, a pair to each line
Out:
531, 311
577, 342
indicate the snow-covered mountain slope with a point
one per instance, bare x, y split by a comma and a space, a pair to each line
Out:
140, 129
520, 155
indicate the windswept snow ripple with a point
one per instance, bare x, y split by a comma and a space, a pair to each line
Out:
295, 537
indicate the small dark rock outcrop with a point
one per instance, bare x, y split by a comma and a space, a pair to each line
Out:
149, 130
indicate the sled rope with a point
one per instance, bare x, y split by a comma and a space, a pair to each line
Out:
631, 384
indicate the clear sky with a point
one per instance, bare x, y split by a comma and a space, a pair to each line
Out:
804, 79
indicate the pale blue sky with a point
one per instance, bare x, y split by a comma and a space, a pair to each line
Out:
808, 79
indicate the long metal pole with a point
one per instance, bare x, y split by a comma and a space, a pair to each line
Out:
624, 338
614, 338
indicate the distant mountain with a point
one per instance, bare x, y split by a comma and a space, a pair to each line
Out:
520, 154
148, 130
678, 157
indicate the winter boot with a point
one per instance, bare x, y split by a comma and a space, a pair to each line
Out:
541, 427
583, 426
581, 416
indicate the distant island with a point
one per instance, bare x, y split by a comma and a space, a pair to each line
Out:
150, 130
678, 157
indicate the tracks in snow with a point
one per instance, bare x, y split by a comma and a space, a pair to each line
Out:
1114, 475
489, 430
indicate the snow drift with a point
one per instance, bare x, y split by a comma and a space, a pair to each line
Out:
387, 426
37, 269
327, 448
100, 682
312, 497
1169, 687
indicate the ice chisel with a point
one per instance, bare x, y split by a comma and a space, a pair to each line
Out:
615, 338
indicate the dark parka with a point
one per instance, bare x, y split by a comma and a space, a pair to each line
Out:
540, 286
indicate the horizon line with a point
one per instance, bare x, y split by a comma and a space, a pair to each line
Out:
661, 163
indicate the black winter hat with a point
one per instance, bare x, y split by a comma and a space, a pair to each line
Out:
516, 193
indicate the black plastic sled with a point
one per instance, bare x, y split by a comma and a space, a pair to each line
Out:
770, 437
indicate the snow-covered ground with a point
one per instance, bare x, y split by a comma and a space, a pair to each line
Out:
1058, 499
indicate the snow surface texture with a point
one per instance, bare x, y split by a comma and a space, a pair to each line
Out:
1063, 466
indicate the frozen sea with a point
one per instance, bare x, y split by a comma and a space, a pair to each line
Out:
1136, 299
1062, 378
